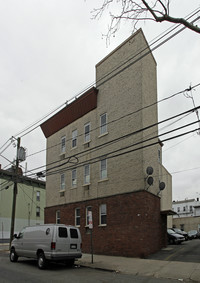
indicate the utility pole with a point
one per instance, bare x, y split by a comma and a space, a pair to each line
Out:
14, 192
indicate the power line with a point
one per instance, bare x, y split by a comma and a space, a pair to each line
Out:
98, 81
84, 152
122, 117
98, 158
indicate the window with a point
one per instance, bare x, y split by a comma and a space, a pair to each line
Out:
74, 138
37, 211
63, 144
103, 214
62, 232
178, 209
184, 208
87, 174
87, 132
58, 217
77, 217
74, 178
38, 196
103, 169
62, 182
103, 123
73, 233
191, 210
89, 208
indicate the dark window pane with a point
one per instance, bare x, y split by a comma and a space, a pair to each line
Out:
73, 233
62, 232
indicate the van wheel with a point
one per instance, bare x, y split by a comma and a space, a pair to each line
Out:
13, 255
41, 261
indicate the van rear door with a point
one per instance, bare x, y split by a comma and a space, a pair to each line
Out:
62, 242
75, 242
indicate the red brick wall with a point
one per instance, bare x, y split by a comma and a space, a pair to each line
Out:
135, 226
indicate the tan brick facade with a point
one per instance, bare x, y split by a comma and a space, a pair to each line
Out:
126, 84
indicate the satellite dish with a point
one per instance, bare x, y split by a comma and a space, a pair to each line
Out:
161, 186
149, 170
150, 181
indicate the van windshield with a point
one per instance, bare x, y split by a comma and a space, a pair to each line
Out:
62, 232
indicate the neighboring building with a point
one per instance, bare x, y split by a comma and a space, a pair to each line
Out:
187, 215
98, 152
29, 205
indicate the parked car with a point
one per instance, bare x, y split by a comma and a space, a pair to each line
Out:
174, 238
193, 234
181, 232
49, 242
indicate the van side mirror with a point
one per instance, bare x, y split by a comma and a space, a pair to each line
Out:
15, 236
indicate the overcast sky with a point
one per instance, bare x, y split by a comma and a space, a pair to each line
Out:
48, 53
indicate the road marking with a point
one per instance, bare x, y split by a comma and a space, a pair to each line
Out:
167, 258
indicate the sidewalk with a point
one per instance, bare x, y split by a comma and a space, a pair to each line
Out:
183, 271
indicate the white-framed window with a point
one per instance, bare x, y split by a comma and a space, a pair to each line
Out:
178, 209
58, 217
63, 144
87, 128
87, 174
37, 211
103, 169
74, 138
77, 217
74, 178
88, 208
103, 124
38, 196
103, 214
62, 181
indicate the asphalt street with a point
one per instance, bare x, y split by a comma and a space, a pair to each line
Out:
188, 251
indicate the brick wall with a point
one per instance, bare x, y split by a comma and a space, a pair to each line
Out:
135, 226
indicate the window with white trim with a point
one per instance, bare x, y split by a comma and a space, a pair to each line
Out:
77, 217
88, 208
103, 214
63, 144
62, 182
103, 124
87, 174
74, 178
58, 217
38, 196
37, 211
103, 169
74, 138
87, 132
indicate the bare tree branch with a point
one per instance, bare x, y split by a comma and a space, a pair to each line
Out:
140, 10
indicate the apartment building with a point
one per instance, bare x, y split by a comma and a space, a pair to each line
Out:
98, 150
30, 202
187, 215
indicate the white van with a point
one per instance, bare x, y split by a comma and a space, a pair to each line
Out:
49, 242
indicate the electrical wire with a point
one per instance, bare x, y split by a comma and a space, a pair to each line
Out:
105, 156
98, 81
84, 152
121, 117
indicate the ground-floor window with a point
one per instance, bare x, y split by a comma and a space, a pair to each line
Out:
103, 214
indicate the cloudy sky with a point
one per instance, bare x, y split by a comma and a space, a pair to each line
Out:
48, 53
